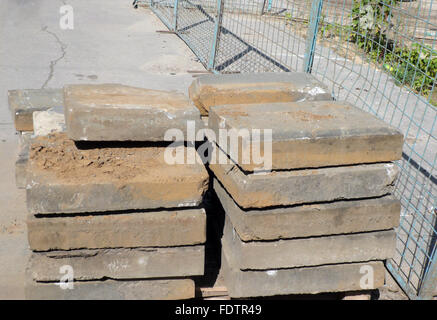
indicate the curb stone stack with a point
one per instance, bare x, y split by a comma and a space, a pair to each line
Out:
322, 219
107, 211
114, 216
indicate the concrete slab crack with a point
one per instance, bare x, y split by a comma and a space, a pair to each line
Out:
53, 63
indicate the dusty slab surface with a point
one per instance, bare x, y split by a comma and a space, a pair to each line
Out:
213, 90
168, 289
65, 179
339, 217
129, 230
138, 263
310, 280
284, 188
265, 255
22, 104
114, 112
308, 134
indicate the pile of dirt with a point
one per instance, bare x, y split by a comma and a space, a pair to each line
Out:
56, 154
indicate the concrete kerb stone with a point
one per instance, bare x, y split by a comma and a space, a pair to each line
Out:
113, 112
308, 280
123, 230
122, 263
340, 217
310, 134
285, 188
57, 189
157, 289
212, 90
22, 160
304, 252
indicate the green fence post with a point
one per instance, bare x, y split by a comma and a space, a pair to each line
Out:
216, 37
175, 14
316, 11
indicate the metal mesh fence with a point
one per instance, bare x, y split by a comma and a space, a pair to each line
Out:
377, 54
379, 59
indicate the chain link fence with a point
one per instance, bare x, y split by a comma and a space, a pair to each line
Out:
377, 54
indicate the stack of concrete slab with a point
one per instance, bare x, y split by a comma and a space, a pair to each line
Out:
322, 218
111, 218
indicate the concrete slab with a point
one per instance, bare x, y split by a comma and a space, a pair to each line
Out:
213, 90
284, 188
291, 253
114, 112
309, 280
124, 230
138, 263
308, 134
22, 160
66, 179
22, 104
168, 289
340, 217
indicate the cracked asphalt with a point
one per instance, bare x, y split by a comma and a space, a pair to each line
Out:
111, 43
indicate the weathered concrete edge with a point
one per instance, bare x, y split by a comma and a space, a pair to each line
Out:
124, 263
310, 220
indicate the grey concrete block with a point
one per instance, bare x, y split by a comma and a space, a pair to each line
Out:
340, 217
23, 103
22, 160
284, 188
214, 90
124, 263
165, 289
291, 253
124, 230
309, 280
113, 112
64, 179
310, 134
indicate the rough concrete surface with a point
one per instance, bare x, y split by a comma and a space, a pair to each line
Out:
214, 90
114, 112
23, 103
339, 217
22, 159
124, 230
124, 263
291, 253
283, 188
63, 178
48, 121
308, 134
309, 280
168, 289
